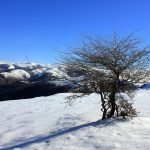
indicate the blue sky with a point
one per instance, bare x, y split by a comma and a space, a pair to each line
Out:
40, 29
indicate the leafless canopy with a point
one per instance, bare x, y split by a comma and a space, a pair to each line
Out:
109, 67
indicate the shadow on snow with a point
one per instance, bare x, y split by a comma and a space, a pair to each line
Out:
60, 132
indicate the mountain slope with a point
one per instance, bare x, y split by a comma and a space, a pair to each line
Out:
46, 123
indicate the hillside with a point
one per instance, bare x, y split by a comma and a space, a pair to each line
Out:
46, 123
28, 80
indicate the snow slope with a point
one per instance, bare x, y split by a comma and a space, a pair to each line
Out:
13, 76
46, 123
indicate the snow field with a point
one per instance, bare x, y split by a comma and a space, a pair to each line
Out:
46, 123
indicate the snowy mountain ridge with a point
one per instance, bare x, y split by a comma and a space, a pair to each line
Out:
8, 70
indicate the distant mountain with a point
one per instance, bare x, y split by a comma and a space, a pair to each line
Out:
27, 80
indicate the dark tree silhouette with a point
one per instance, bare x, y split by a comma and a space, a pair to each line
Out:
110, 68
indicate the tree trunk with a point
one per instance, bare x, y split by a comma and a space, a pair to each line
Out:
112, 97
113, 104
104, 110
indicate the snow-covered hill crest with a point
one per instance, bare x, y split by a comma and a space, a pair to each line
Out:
23, 71
45, 123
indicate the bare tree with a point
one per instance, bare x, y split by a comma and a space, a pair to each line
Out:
110, 68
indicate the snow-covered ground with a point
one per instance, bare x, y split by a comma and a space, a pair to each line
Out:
46, 123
